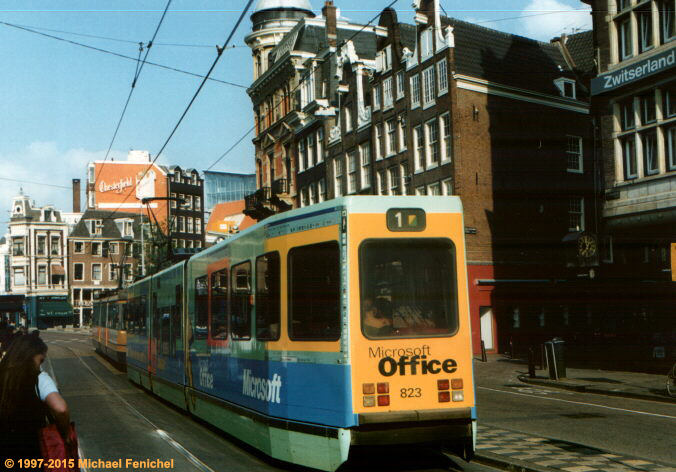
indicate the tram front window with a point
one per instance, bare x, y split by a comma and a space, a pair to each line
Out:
408, 288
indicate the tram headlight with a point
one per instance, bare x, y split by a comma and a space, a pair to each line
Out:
444, 397
383, 400
368, 389
369, 400
458, 396
383, 387
456, 384
442, 384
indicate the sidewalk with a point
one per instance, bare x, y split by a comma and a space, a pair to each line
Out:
604, 382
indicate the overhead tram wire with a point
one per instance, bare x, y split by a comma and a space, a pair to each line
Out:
34, 183
116, 54
297, 86
137, 74
219, 50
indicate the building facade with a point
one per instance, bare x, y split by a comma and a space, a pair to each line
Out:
104, 254
38, 256
445, 107
222, 187
186, 210
634, 104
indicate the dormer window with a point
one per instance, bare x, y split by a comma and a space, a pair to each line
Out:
566, 87
384, 59
426, 44
47, 215
95, 227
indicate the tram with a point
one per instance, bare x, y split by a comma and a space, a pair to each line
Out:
109, 325
323, 328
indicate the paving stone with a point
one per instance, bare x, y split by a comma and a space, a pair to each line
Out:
579, 468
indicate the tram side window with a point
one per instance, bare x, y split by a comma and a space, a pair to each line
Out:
201, 307
142, 315
112, 315
165, 330
219, 305
408, 288
176, 319
267, 296
314, 279
129, 313
240, 308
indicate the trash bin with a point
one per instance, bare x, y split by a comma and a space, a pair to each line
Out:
554, 350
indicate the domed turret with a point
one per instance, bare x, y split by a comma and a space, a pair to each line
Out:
272, 19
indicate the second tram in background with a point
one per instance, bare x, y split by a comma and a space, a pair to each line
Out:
109, 335
332, 326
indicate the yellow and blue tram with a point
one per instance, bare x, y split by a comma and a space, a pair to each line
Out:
109, 325
341, 324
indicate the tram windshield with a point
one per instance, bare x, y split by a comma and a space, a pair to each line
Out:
408, 288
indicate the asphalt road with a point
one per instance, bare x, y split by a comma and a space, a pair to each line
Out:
116, 420
639, 428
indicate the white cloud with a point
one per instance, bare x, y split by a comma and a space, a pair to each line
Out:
546, 19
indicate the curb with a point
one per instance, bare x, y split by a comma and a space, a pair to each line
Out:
513, 465
598, 391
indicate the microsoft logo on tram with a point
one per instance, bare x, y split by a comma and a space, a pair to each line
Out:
260, 388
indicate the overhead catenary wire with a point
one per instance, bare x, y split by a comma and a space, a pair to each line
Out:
33, 183
296, 87
116, 54
219, 50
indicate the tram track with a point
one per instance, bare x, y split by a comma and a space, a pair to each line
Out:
160, 433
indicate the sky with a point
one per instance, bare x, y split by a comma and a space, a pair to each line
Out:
61, 102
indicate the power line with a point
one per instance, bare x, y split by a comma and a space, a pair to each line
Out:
197, 92
297, 86
116, 54
137, 74
33, 183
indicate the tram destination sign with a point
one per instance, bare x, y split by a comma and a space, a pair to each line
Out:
637, 71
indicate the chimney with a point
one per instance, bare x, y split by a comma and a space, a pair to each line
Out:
76, 195
329, 12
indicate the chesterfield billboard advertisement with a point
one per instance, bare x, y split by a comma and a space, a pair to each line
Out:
122, 185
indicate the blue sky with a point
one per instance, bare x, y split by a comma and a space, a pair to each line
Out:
61, 102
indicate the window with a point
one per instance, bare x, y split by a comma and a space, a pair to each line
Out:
386, 58
96, 249
113, 248
428, 87
347, 116
566, 87
202, 308
42, 245
434, 189
401, 132
129, 272
240, 309
629, 158
174, 203
442, 72
320, 145
313, 193
574, 154
393, 180
78, 271
648, 111
576, 214
624, 38
95, 227
426, 43
198, 203
310, 152
96, 272
18, 247
198, 225
670, 145
20, 276
400, 85
419, 191
432, 131
622, 4
304, 197
405, 179
352, 174
218, 326
447, 187
338, 176
181, 224
668, 30
447, 143
410, 283
268, 302
302, 156
645, 28
314, 292
128, 247
187, 206
190, 222
649, 141
322, 189
669, 102
388, 93
112, 272
376, 97
307, 92
627, 120
415, 91
390, 139
365, 171
78, 247
419, 140
382, 183
379, 141
55, 246
42, 275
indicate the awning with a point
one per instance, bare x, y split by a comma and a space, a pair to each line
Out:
58, 270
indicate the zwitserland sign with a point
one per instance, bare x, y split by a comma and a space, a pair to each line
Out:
637, 71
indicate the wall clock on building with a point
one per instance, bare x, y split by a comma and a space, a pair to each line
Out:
586, 246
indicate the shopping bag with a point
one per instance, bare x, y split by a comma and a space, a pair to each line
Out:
58, 457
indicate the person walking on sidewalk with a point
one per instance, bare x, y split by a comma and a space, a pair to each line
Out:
27, 395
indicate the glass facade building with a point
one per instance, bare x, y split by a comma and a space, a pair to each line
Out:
220, 187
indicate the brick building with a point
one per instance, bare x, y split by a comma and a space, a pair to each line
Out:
104, 254
445, 107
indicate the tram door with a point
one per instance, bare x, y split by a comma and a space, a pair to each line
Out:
154, 337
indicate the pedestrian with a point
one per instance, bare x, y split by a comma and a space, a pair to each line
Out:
27, 396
